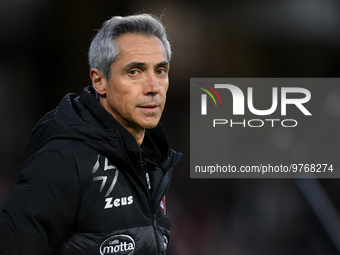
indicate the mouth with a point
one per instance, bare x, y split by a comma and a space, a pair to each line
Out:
149, 107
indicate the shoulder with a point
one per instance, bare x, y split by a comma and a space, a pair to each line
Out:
69, 151
60, 159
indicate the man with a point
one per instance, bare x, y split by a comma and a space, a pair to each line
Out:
99, 164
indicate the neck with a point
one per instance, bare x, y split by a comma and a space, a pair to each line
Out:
137, 134
136, 131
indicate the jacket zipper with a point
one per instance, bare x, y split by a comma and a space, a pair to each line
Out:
143, 166
148, 183
148, 180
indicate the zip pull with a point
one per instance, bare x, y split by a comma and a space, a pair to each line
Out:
148, 180
141, 161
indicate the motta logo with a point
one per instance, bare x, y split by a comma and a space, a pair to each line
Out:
295, 96
118, 244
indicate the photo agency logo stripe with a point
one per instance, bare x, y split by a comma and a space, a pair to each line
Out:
281, 101
204, 97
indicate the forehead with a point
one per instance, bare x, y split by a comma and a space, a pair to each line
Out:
135, 46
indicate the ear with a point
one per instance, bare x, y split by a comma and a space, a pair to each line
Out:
99, 81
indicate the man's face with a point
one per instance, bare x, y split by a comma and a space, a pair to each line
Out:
136, 90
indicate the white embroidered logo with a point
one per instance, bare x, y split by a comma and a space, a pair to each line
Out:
118, 202
110, 202
118, 244
103, 178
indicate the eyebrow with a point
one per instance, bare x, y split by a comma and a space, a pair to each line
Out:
143, 65
163, 63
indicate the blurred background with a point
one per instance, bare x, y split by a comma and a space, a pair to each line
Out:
43, 46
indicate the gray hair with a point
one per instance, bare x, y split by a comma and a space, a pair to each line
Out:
103, 51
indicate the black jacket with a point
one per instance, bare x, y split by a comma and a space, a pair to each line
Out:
88, 188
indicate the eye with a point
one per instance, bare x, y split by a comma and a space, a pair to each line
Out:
161, 71
133, 72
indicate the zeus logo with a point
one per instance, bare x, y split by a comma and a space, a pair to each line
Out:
239, 98
110, 202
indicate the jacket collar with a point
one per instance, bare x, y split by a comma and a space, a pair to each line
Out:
155, 145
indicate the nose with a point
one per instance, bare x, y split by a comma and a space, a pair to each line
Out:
152, 86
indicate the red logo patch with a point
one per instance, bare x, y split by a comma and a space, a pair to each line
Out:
163, 205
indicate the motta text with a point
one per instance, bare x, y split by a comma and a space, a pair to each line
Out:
118, 248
